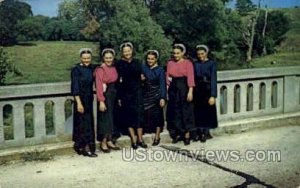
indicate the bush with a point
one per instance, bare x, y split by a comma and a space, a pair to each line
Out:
6, 66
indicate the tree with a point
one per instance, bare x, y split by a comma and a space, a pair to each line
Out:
32, 28
111, 22
136, 26
11, 12
244, 7
267, 37
193, 22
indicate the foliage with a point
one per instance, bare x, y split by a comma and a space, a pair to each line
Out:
11, 12
6, 66
136, 26
273, 37
244, 7
32, 28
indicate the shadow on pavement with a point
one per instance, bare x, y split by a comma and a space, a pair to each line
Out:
249, 178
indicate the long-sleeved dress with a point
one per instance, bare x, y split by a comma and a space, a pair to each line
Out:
106, 77
82, 86
154, 89
130, 93
180, 114
206, 87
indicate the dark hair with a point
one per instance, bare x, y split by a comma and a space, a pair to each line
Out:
126, 44
201, 48
178, 47
152, 53
107, 51
85, 52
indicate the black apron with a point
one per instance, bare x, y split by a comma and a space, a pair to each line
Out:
180, 112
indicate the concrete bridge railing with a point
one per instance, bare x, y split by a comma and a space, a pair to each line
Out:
241, 94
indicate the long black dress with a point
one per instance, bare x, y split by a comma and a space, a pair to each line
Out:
180, 114
83, 123
206, 87
130, 94
154, 89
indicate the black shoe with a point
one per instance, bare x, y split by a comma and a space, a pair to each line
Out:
175, 140
77, 150
93, 155
208, 136
187, 141
196, 139
85, 153
202, 138
134, 146
142, 144
104, 150
114, 148
156, 142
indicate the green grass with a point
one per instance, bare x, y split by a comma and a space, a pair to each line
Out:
288, 53
42, 62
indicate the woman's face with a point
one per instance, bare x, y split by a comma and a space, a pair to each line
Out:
108, 58
86, 58
151, 60
202, 55
177, 54
127, 52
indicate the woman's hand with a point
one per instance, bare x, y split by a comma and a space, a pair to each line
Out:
80, 108
119, 102
162, 103
143, 77
102, 106
189, 96
211, 101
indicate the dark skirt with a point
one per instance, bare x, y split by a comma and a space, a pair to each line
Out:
180, 112
105, 120
83, 124
132, 108
205, 114
153, 113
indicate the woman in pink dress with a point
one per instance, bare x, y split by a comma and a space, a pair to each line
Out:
180, 82
106, 77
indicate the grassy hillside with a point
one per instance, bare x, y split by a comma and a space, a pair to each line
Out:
288, 53
42, 62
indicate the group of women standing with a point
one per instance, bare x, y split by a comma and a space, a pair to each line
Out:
134, 94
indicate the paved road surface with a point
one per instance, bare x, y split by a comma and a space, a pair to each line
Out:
196, 165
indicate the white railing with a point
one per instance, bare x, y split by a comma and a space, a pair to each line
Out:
241, 94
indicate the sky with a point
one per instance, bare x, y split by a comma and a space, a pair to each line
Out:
50, 7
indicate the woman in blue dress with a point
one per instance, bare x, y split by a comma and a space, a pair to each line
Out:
154, 94
205, 94
82, 90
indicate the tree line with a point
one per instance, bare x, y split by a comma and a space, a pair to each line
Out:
233, 35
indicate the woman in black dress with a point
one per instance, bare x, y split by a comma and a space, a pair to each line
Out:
205, 93
106, 77
82, 90
130, 94
154, 94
